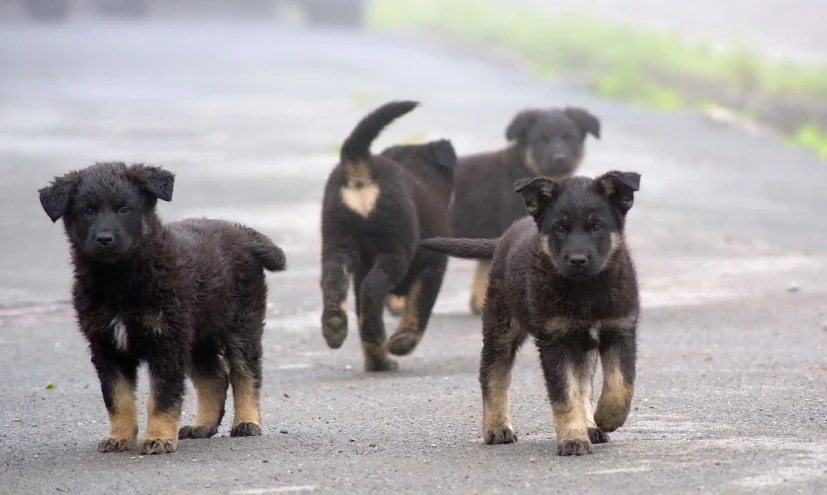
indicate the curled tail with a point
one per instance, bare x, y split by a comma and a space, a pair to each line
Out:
357, 146
470, 249
270, 256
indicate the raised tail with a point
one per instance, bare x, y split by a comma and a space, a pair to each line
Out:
470, 249
357, 146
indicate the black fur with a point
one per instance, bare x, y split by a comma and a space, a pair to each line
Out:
543, 143
375, 209
183, 297
563, 276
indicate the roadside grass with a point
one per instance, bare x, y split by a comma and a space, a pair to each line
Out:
641, 66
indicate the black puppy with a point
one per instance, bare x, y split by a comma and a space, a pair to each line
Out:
183, 297
544, 143
375, 209
564, 277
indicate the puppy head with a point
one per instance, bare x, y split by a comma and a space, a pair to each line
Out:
552, 140
580, 220
108, 209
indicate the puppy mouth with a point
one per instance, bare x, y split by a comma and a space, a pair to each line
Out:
578, 274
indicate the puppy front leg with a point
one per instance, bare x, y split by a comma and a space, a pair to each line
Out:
560, 367
166, 394
335, 265
118, 378
618, 353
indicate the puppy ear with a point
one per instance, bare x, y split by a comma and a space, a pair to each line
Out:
619, 188
520, 125
154, 180
587, 122
444, 153
537, 192
55, 197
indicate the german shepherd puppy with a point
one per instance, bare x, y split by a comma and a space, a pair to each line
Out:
185, 298
544, 142
375, 209
564, 277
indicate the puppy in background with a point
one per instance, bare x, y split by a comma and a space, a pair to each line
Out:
546, 143
187, 297
564, 277
375, 209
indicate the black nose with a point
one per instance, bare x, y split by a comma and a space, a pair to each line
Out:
105, 239
559, 157
578, 259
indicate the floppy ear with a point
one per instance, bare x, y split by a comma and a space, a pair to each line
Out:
154, 180
55, 197
619, 188
444, 153
587, 122
520, 125
537, 192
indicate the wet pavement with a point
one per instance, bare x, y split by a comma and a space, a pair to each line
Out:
728, 232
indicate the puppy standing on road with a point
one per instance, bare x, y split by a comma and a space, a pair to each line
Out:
544, 143
375, 209
183, 297
564, 277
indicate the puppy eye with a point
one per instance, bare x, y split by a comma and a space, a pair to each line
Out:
597, 227
88, 211
124, 210
560, 229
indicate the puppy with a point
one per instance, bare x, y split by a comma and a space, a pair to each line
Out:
564, 277
375, 209
543, 143
185, 298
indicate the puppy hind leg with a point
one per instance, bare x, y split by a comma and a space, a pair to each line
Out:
395, 304
244, 359
335, 267
501, 341
385, 273
210, 379
419, 305
480, 286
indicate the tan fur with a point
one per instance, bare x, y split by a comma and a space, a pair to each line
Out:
245, 400
570, 417
561, 324
480, 285
396, 304
616, 397
211, 396
162, 425
531, 163
496, 413
123, 420
585, 377
546, 245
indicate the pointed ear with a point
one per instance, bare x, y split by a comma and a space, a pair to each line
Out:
154, 180
619, 188
55, 197
587, 122
520, 125
537, 193
444, 153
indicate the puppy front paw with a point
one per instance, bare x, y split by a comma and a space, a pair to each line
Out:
112, 444
152, 446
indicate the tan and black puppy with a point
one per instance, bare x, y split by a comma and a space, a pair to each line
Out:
546, 143
186, 297
564, 277
375, 209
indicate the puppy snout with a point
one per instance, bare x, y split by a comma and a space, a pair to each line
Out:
559, 157
105, 239
578, 260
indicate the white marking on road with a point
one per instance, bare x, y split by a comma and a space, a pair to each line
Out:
279, 489
294, 366
119, 334
641, 469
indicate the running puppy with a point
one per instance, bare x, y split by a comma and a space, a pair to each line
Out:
564, 277
183, 297
547, 143
375, 209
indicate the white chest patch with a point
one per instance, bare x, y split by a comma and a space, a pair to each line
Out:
360, 200
119, 335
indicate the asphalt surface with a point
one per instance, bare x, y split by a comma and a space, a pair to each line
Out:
728, 232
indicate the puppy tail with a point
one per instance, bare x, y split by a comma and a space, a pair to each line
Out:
270, 256
356, 147
470, 249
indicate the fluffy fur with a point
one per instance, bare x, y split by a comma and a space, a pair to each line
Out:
375, 209
563, 276
187, 297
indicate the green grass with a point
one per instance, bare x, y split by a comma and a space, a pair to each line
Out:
811, 136
637, 65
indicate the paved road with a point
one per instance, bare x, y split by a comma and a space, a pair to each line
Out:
732, 381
